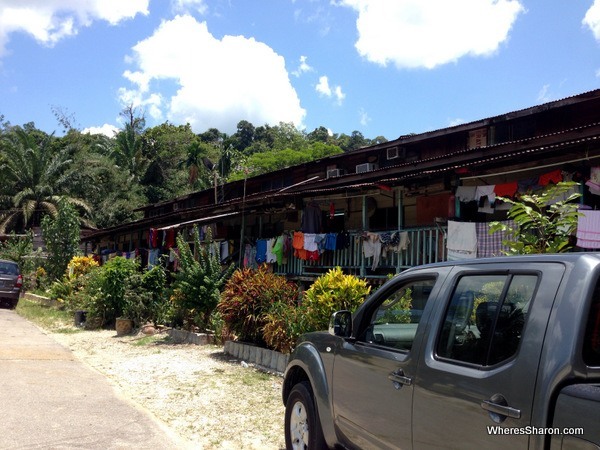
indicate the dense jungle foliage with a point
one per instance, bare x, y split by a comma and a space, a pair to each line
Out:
106, 178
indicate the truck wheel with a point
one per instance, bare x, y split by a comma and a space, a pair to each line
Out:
302, 426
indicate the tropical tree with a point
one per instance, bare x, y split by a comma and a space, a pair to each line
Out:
61, 235
35, 177
196, 163
543, 222
108, 190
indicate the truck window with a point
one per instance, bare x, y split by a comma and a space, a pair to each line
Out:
394, 323
485, 318
591, 343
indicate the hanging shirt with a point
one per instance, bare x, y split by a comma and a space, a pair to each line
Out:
311, 218
278, 249
506, 189
261, 251
372, 248
271, 258
298, 242
465, 193
330, 241
310, 244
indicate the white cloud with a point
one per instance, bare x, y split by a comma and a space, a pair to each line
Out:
326, 90
364, 117
429, 33
303, 67
189, 6
543, 95
592, 19
106, 129
49, 21
456, 121
219, 82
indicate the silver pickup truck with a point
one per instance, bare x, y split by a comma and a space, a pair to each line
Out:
489, 353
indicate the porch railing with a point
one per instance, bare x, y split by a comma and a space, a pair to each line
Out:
427, 245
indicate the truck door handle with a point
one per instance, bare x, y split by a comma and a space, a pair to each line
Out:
499, 409
398, 378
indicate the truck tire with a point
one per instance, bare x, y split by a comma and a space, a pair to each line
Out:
302, 426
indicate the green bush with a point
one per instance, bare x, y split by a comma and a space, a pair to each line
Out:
283, 326
332, 292
249, 296
198, 283
104, 295
144, 298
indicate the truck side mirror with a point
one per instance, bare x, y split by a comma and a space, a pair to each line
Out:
341, 324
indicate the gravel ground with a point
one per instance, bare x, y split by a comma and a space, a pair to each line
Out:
202, 394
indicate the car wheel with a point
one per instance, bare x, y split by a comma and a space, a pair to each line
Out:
302, 426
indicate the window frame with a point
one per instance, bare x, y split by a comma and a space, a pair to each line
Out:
509, 277
384, 294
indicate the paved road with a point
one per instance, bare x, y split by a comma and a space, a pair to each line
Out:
49, 400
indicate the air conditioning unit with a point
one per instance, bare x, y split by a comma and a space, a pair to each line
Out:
366, 167
332, 173
392, 153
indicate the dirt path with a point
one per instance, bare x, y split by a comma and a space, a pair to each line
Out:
199, 392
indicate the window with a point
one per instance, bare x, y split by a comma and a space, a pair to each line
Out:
591, 343
485, 318
394, 323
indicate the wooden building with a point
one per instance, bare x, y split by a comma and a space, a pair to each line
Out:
412, 185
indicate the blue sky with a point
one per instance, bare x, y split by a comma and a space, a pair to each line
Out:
384, 68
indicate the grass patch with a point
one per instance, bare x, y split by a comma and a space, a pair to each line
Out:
151, 340
48, 317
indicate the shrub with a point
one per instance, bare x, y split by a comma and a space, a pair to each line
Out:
283, 326
331, 292
144, 298
198, 283
107, 291
248, 297
80, 265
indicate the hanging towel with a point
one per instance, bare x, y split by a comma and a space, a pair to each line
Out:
588, 229
462, 240
491, 244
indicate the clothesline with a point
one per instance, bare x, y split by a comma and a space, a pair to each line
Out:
529, 169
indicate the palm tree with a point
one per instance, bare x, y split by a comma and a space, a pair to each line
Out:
34, 177
128, 153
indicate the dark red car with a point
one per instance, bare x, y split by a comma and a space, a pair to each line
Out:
11, 282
